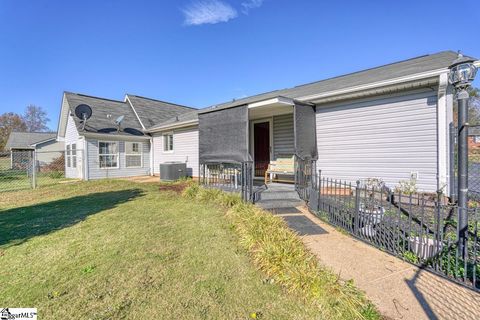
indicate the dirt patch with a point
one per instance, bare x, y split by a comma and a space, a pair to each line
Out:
176, 187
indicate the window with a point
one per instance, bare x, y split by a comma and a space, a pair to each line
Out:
69, 154
168, 142
133, 155
108, 154
74, 155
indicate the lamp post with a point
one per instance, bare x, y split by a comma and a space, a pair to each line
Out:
462, 73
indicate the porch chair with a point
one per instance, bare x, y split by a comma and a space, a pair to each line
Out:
283, 166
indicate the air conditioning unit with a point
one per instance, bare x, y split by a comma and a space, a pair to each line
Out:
171, 171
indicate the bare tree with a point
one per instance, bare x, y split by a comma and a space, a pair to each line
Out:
9, 122
36, 119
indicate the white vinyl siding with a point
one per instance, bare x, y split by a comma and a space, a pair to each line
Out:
72, 137
185, 150
388, 138
95, 172
283, 135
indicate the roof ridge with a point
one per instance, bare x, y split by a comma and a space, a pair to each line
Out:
94, 97
373, 68
162, 101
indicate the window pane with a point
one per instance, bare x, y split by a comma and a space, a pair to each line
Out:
132, 147
74, 149
133, 160
68, 161
108, 147
108, 161
74, 161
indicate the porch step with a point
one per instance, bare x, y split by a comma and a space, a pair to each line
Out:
277, 195
279, 203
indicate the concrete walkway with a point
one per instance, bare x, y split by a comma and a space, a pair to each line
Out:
399, 289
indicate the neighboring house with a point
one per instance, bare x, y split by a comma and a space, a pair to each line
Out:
22, 144
389, 122
100, 149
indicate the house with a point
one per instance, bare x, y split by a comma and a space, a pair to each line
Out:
22, 144
100, 148
389, 122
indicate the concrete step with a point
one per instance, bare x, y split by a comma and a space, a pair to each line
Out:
272, 195
279, 203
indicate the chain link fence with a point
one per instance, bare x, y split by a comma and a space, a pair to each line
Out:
28, 169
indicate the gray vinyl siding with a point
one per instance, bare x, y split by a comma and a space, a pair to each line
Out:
49, 151
283, 135
95, 172
387, 138
185, 149
72, 136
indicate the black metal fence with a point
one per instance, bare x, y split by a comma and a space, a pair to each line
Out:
29, 169
421, 228
231, 177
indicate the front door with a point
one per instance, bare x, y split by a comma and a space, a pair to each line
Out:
261, 147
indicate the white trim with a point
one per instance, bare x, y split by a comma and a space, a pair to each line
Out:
86, 167
118, 154
42, 142
418, 76
442, 133
134, 111
140, 148
100, 136
175, 125
277, 100
252, 138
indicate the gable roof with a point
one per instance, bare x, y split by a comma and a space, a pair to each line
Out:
151, 111
104, 114
27, 140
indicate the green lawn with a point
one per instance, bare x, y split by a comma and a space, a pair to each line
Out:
116, 249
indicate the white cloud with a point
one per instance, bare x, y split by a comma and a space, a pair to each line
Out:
208, 12
251, 4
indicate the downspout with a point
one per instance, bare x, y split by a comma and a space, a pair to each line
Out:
152, 162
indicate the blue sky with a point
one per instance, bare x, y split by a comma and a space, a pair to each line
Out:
203, 52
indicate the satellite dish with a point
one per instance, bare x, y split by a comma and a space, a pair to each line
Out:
118, 122
83, 112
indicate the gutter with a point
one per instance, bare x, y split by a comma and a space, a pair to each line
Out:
113, 136
374, 85
175, 125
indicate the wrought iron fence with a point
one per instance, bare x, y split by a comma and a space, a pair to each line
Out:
304, 176
231, 177
29, 169
420, 228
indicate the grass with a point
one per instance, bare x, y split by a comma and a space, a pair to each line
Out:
116, 249
13, 180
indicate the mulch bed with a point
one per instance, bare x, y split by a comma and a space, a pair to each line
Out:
177, 187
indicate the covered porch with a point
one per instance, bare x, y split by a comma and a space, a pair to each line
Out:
238, 143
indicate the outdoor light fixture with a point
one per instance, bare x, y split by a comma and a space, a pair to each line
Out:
462, 72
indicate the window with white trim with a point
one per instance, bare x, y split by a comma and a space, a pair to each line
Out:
108, 154
133, 154
74, 155
68, 156
168, 142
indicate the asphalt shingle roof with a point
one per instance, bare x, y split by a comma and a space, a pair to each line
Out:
104, 114
25, 140
390, 71
152, 111
399, 69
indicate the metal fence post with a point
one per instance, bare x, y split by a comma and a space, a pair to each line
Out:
357, 208
34, 171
